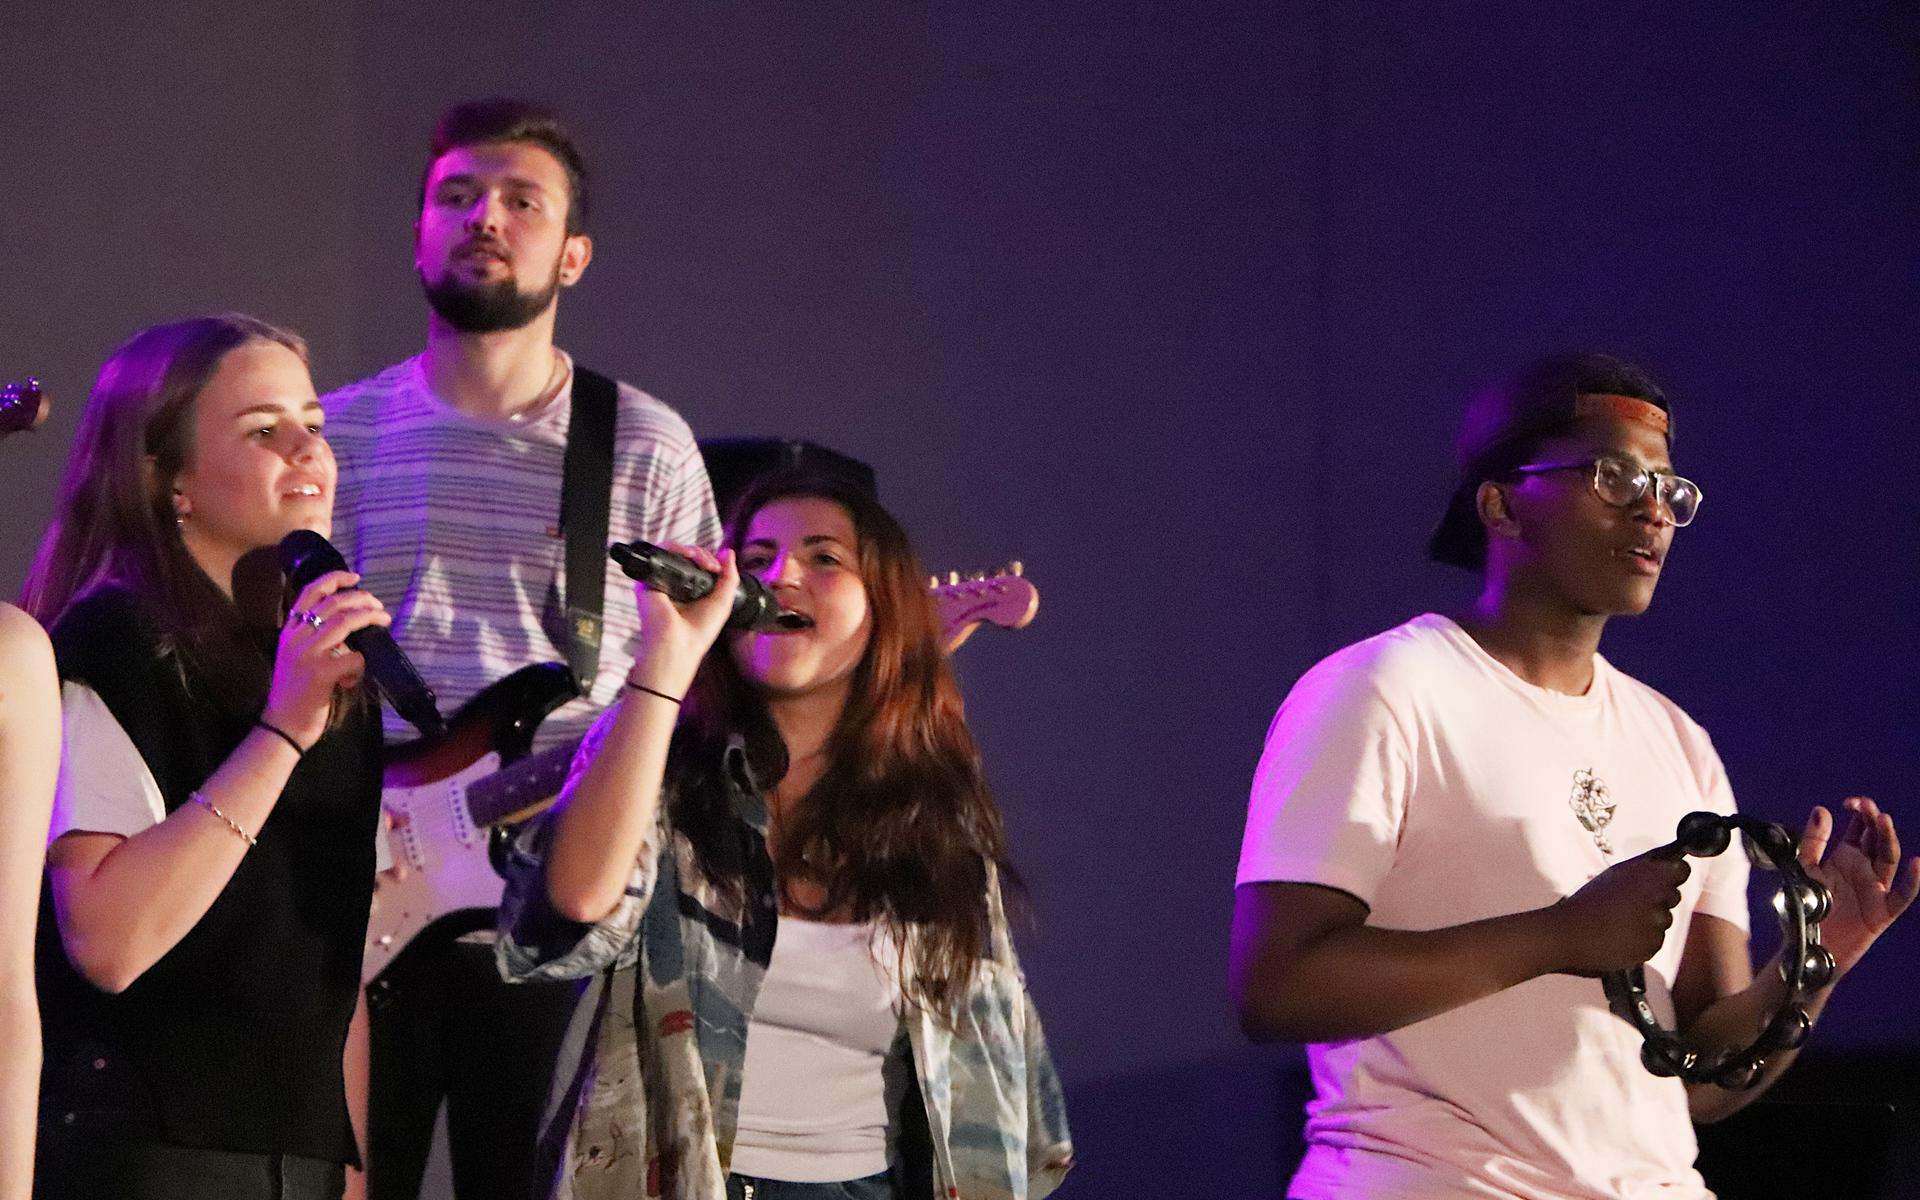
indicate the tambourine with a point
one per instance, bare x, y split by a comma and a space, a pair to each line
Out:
1805, 964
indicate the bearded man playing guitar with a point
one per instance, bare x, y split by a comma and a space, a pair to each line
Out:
450, 505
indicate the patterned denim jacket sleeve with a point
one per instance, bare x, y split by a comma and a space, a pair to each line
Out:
1006, 1119
1049, 1144
538, 943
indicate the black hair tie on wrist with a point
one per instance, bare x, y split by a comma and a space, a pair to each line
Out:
262, 723
1806, 966
641, 687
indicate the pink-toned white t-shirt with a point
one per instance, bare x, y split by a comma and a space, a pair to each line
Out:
1416, 772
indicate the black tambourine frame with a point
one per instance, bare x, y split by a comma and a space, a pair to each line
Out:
1805, 965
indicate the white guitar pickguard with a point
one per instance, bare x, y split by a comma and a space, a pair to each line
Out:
445, 854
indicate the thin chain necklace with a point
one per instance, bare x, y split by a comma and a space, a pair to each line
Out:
549, 391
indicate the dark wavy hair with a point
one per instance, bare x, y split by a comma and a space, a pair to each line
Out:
900, 827
114, 523
506, 119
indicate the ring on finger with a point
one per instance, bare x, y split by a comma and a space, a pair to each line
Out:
312, 618
337, 652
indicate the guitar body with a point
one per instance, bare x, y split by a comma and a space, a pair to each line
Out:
430, 788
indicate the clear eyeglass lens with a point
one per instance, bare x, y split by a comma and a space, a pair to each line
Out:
1681, 497
1622, 483
1619, 482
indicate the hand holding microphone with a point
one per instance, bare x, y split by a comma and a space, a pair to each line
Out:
687, 596
23, 405
306, 556
312, 659
683, 581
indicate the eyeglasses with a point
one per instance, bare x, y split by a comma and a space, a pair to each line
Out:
1622, 482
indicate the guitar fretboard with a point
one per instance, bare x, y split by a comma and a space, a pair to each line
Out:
532, 780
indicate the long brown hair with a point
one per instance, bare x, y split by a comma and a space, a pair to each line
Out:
900, 827
114, 525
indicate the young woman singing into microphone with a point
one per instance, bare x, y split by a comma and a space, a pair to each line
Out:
804, 984
212, 855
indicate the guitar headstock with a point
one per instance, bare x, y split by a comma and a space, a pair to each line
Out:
23, 406
1003, 597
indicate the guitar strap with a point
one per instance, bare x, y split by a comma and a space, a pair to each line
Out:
586, 495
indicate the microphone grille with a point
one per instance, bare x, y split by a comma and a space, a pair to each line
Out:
305, 556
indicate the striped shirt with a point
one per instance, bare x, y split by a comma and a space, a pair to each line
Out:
454, 521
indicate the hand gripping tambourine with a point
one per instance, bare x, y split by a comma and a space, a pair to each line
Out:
1805, 964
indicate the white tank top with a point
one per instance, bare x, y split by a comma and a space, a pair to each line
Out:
813, 1100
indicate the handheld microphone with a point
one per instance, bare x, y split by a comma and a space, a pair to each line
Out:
23, 406
305, 556
682, 579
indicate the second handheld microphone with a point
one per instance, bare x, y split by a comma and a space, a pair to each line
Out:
682, 580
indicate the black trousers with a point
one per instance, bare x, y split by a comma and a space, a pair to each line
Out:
445, 1025
144, 1170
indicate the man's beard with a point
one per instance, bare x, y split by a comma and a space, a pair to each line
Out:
488, 307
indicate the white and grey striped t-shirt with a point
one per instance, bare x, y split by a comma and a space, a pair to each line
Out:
453, 521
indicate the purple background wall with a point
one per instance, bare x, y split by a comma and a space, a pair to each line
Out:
1178, 303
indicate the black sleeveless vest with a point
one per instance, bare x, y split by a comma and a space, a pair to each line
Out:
232, 1040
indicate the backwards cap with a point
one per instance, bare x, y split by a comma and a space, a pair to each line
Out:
1505, 423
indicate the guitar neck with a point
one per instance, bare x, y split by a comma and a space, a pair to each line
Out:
527, 784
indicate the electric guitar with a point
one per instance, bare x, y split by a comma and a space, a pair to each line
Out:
449, 794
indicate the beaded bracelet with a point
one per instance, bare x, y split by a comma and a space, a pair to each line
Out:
210, 806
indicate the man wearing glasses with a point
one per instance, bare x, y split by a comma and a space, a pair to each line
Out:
1451, 834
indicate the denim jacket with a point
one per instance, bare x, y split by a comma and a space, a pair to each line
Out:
646, 1094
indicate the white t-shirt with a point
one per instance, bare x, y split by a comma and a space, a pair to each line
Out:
1419, 774
105, 786
814, 1106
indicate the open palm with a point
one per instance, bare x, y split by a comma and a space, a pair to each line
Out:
1862, 872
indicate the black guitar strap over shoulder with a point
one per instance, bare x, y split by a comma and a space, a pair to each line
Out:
586, 495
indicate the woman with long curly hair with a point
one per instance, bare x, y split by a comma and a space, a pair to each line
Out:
212, 848
791, 910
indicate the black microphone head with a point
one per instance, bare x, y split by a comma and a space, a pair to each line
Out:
631, 561
305, 556
754, 607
